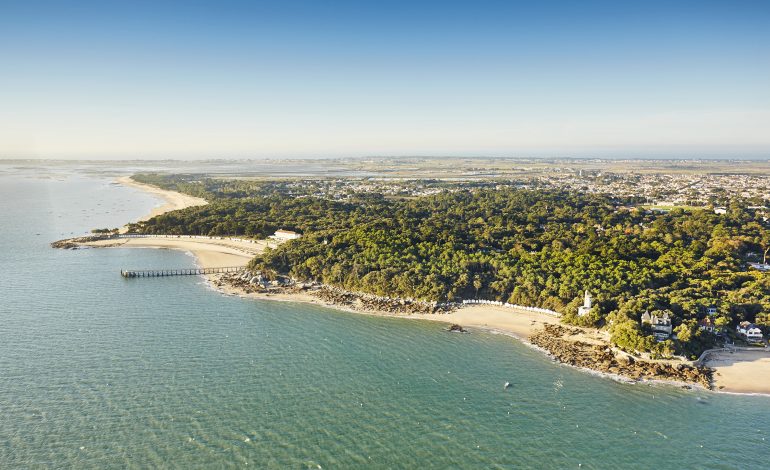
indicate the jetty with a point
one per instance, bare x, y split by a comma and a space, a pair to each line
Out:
179, 271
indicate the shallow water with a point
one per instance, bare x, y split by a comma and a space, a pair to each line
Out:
97, 371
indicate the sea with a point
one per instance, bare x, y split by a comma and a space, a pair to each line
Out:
98, 371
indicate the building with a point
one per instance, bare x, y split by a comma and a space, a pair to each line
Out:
760, 266
284, 235
707, 324
712, 310
585, 309
661, 326
750, 331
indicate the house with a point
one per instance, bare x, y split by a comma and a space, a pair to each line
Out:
661, 326
760, 266
720, 210
707, 324
585, 309
284, 235
750, 331
712, 310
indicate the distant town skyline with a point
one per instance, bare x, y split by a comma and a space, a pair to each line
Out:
236, 79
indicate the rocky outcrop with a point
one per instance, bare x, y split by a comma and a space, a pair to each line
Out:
253, 283
72, 243
360, 301
553, 338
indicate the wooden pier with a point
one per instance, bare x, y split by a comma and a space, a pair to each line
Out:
179, 272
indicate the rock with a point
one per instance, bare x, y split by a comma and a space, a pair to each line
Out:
581, 354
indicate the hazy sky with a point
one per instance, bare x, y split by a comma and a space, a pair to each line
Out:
322, 78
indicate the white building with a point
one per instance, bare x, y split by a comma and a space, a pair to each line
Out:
661, 326
750, 331
284, 235
760, 266
585, 309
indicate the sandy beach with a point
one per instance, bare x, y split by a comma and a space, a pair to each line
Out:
172, 200
741, 371
515, 322
210, 252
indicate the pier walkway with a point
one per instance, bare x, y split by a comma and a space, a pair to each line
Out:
179, 271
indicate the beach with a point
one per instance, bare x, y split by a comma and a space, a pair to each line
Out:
172, 200
741, 370
515, 322
210, 252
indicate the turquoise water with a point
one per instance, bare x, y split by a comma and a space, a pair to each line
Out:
97, 371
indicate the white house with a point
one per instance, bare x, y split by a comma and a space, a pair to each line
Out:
661, 326
711, 310
585, 309
284, 235
750, 331
760, 266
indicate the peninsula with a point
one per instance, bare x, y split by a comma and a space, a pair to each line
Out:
408, 246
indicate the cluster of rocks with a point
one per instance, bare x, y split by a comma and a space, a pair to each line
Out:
361, 301
455, 328
255, 283
603, 359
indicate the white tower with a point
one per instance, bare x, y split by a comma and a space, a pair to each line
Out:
585, 309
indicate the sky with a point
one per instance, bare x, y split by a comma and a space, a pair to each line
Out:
253, 79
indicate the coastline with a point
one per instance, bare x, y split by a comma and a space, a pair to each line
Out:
172, 200
732, 375
209, 252
587, 349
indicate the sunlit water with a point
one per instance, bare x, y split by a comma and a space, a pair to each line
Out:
97, 371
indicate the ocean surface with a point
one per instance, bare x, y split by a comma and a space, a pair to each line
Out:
97, 371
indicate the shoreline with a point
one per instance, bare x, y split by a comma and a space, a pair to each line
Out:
209, 252
519, 324
172, 200
516, 323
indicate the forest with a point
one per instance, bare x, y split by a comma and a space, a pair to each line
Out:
525, 246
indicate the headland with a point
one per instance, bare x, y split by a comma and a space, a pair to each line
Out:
744, 371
